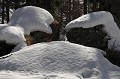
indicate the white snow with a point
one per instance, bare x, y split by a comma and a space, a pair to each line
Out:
96, 18
32, 18
24, 75
11, 34
2, 25
60, 57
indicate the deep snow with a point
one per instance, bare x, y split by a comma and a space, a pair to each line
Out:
96, 18
32, 18
61, 57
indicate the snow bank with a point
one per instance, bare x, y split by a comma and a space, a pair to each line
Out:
32, 18
61, 57
11, 34
96, 18
24, 75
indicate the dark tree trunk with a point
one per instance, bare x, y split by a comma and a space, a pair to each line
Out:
3, 11
7, 10
85, 6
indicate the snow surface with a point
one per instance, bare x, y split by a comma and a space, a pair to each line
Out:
61, 57
96, 18
32, 18
23, 75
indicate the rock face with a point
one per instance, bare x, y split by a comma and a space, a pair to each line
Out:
39, 36
92, 37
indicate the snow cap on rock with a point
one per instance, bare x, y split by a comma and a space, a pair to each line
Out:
32, 18
11, 34
96, 18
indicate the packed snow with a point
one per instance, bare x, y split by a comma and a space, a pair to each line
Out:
32, 18
61, 57
96, 18
24, 75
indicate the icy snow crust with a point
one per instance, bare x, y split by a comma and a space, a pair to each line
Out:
11, 34
96, 18
32, 18
61, 57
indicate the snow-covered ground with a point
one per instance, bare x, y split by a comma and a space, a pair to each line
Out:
32, 18
24, 75
61, 57
96, 18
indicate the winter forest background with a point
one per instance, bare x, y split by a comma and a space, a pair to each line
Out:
63, 10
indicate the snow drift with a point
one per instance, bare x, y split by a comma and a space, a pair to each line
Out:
61, 57
32, 18
97, 18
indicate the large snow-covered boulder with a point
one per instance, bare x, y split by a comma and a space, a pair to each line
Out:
98, 18
32, 18
61, 57
10, 37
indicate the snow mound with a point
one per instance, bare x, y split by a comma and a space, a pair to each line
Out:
61, 57
32, 18
97, 18
24, 75
11, 34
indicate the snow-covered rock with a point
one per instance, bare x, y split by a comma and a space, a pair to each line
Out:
97, 18
32, 18
61, 57
11, 34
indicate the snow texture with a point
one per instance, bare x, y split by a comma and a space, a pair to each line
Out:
96, 18
11, 34
61, 57
24, 75
32, 18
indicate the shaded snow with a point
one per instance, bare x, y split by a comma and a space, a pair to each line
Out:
61, 57
96, 18
32, 18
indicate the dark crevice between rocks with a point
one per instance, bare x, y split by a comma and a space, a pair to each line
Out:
5, 48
